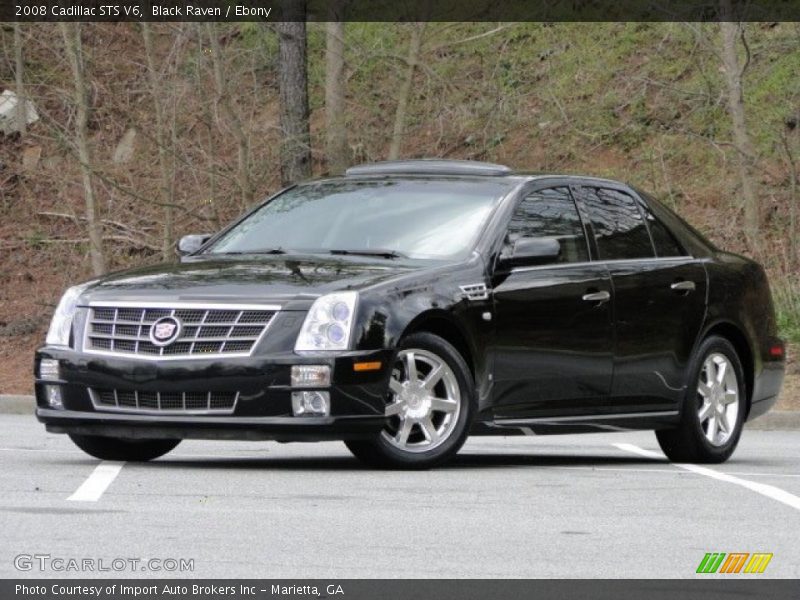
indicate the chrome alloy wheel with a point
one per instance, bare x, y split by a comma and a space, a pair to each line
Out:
424, 402
718, 399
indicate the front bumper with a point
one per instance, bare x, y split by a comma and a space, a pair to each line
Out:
263, 410
282, 429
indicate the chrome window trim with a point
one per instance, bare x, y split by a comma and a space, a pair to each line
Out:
652, 259
197, 305
156, 411
660, 259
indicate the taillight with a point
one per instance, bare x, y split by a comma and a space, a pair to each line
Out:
777, 350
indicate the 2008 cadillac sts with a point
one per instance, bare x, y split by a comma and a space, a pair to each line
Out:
408, 304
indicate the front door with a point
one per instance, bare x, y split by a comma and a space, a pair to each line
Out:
554, 337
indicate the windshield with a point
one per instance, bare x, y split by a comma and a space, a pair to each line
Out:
427, 219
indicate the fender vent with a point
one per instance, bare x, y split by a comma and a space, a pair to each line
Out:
475, 291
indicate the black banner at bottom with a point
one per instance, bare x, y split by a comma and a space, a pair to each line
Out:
391, 589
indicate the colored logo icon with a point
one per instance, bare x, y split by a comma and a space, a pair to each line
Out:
734, 562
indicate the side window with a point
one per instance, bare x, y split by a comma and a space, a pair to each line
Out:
551, 213
618, 225
663, 240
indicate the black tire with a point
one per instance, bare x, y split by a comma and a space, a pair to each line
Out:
380, 453
108, 448
688, 442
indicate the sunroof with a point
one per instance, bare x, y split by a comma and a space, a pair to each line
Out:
430, 166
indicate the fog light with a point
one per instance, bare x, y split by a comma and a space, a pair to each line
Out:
311, 404
48, 369
311, 376
53, 395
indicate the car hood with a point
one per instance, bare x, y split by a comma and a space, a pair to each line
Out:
263, 279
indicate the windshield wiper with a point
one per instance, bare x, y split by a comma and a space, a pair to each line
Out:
240, 252
370, 252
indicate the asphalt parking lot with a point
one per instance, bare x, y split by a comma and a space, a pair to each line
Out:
602, 505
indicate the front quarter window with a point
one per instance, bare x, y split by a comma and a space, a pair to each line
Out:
551, 213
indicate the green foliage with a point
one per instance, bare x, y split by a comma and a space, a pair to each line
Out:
619, 82
35, 238
787, 306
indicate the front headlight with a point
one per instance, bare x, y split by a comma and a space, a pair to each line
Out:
328, 324
60, 326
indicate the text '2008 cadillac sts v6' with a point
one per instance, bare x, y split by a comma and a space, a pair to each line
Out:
408, 304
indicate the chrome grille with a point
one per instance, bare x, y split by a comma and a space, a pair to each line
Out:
205, 331
164, 403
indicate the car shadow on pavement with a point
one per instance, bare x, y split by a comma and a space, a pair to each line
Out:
346, 463
472, 460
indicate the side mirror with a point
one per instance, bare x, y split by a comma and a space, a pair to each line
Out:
533, 251
189, 244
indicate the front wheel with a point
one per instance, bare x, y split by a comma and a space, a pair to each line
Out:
109, 448
714, 407
430, 405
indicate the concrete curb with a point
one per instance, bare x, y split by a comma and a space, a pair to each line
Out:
16, 405
774, 420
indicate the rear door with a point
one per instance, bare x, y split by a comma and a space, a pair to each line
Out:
553, 345
659, 298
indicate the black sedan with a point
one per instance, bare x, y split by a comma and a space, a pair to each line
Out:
409, 304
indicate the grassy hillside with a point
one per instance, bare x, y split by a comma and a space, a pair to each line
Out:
639, 102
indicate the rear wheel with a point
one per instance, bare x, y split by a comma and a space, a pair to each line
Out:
429, 407
108, 448
714, 407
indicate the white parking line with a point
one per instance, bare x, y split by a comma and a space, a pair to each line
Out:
97, 482
667, 471
40, 450
770, 491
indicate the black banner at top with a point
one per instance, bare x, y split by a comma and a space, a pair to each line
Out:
400, 10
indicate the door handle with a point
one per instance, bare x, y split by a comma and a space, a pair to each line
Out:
597, 297
683, 286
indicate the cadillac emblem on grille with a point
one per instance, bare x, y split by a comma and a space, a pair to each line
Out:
165, 331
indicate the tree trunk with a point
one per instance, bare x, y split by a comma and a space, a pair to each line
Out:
22, 102
293, 83
405, 90
337, 149
238, 131
74, 50
167, 174
741, 138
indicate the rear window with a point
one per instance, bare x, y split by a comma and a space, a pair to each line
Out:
665, 243
692, 241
